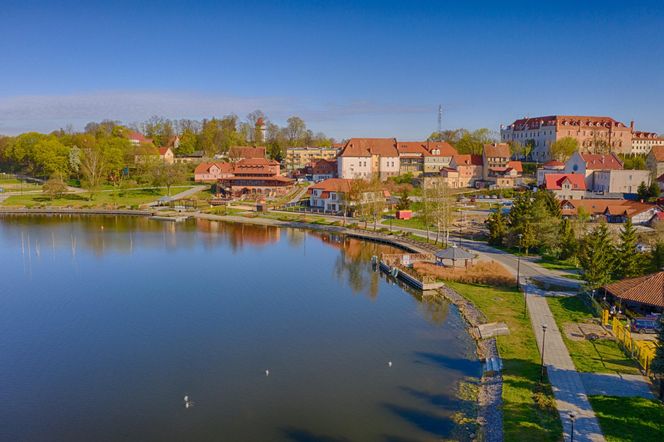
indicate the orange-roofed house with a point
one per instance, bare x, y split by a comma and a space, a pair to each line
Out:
255, 176
212, 172
411, 157
643, 142
566, 186
613, 210
321, 169
552, 166
369, 157
644, 294
330, 195
498, 169
469, 171
166, 155
655, 160
137, 138
439, 155
237, 153
586, 164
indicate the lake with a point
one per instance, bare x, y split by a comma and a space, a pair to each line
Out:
274, 334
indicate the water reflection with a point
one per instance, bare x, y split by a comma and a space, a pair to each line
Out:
109, 308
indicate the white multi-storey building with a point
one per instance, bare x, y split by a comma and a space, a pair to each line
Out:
369, 157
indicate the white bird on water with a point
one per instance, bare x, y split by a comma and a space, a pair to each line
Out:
187, 402
389, 363
267, 372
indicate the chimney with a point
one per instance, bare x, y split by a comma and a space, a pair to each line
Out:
631, 124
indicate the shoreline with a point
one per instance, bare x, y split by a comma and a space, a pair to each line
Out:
489, 400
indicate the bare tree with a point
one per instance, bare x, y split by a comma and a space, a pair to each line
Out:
93, 168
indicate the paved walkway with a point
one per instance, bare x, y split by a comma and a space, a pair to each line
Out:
568, 388
613, 384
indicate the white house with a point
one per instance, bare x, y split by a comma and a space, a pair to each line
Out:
369, 157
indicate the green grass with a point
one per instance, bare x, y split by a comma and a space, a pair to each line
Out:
127, 198
413, 223
529, 412
629, 419
601, 355
554, 264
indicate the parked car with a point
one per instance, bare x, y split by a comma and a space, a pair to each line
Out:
645, 325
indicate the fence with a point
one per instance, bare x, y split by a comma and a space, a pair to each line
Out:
642, 351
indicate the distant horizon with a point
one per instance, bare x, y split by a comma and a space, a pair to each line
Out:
369, 68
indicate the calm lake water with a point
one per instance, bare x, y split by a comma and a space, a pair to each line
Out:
106, 323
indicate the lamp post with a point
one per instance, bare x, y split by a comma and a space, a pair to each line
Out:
525, 298
542, 363
518, 262
572, 417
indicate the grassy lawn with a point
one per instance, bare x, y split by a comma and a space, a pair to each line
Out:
529, 412
414, 223
127, 198
629, 419
601, 355
553, 264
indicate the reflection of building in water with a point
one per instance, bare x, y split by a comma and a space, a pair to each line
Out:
237, 235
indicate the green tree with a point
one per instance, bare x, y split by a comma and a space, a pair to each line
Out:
654, 190
404, 199
657, 257
498, 228
55, 187
628, 261
569, 245
596, 257
643, 191
563, 148
167, 175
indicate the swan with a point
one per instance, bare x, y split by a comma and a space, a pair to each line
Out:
267, 372
389, 363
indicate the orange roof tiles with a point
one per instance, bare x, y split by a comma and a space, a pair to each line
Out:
501, 150
468, 160
366, 147
554, 181
658, 153
333, 185
205, 167
602, 162
441, 149
647, 289
246, 152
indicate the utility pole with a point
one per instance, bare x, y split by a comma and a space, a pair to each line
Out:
440, 122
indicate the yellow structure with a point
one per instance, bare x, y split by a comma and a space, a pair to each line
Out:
642, 351
298, 157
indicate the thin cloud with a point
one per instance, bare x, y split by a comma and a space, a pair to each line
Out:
49, 112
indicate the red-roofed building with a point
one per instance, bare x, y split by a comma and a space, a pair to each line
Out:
137, 138
587, 164
439, 155
320, 170
613, 210
590, 133
166, 155
655, 160
547, 168
643, 142
368, 157
255, 176
469, 171
237, 153
566, 186
212, 172
330, 195
498, 170
644, 294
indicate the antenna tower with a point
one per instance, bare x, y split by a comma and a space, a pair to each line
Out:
440, 122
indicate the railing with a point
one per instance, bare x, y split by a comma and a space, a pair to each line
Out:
642, 351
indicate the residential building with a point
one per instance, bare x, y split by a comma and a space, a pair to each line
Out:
299, 157
212, 172
166, 155
194, 157
644, 294
591, 133
439, 155
331, 195
643, 142
619, 181
257, 176
320, 170
613, 210
566, 186
369, 157
137, 138
586, 164
497, 168
469, 171
411, 157
655, 161
237, 153
553, 166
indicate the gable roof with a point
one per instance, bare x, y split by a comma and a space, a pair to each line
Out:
163, 150
137, 136
601, 162
366, 147
515, 165
647, 289
411, 147
501, 150
333, 185
554, 181
603, 206
658, 153
205, 167
246, 152
468, 160
441, 149
565, 120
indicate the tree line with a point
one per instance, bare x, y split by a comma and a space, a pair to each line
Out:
535, 224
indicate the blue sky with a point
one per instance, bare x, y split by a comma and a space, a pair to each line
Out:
373, 68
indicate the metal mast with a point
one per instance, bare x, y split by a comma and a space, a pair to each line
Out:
440, 122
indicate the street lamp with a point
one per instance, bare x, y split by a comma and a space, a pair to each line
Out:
572, 417
518, 262
542, 363
525, 298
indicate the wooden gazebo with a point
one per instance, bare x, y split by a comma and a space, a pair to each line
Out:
454, 254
